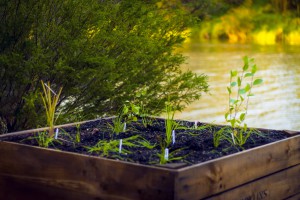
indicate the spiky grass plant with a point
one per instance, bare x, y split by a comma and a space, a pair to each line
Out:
50, 100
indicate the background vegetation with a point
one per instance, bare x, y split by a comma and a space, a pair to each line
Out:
102, 53
258, 21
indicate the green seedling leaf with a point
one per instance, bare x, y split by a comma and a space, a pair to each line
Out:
232, 101
135, 109
257, 82
233, 73
248, 87
125, 109
229, 90
248, 74
246, 63
254, 69
242, 116
250, 95
242, 98
242, 91
232, 122
239, 81
232, 84
226, 116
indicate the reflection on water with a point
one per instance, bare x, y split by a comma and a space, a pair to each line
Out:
276, 104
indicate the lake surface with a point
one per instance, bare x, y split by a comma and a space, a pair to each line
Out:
276, 104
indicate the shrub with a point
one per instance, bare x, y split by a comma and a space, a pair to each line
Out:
101, 52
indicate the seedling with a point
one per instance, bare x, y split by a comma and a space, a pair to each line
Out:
105, 147
240, 84
77, 136
127, 114
170, 123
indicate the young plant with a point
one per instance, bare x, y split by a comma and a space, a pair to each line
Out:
77, 136
43, 139
105, 147
145, 143
170, 123
127, 114
50, 100
241, 86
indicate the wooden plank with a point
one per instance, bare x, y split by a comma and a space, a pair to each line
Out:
203, 180
294, 197
61, 175
279, 185
47, 128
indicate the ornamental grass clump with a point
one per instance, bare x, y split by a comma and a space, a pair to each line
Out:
50, 100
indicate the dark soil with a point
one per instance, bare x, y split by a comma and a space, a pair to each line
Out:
191, 146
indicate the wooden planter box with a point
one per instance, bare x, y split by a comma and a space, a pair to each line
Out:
267, 172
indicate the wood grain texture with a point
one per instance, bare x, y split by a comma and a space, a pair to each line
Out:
294, 197
42, 172
276, 186
203, 180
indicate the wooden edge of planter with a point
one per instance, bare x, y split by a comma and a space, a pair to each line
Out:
47, 128
222, 174
52, 171
280, 185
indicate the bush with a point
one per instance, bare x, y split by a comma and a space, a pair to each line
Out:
101, 52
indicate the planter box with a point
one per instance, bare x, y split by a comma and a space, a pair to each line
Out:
271, 171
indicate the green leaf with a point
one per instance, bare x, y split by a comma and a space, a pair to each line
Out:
248, 74
242, 98
248, 87
229, 90
135, 109
232, 101
242, 91
242, 116
125, 109
232, 84
239, 81
232, 122
246, 63
250, 95
226, 116
233, 73
254, 69
257, 82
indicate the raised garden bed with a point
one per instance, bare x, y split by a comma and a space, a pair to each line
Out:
268, 171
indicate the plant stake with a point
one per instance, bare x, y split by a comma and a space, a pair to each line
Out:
56, 134
120, 146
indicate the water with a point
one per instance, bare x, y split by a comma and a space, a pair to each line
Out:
276, 104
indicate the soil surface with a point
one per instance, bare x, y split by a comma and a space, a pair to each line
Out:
192, 145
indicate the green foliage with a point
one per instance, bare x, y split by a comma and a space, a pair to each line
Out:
101, 52
127, 114
171, 156
77, 136
105, 147
241, 86
44, 139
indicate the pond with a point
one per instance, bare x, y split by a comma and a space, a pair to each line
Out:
276, 104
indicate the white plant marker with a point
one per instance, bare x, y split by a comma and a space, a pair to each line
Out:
196, 122
56, 134
124, 128
173, 137
166, 154
232, 138
120, 146
50, 89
